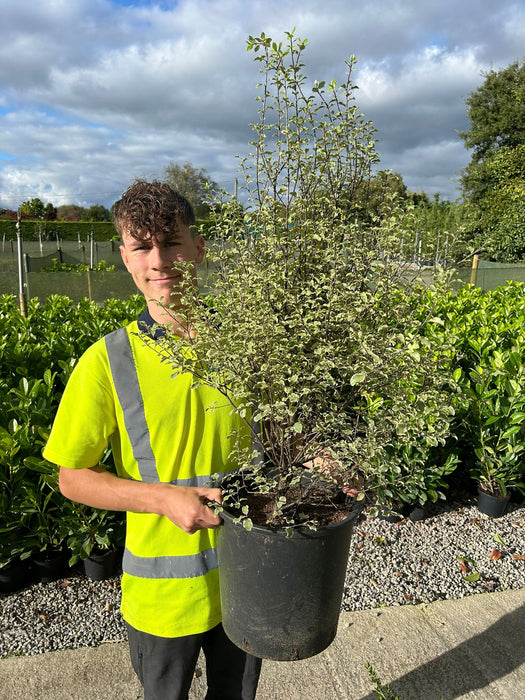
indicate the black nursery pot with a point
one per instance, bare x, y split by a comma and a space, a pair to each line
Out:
100, 566
49, 565
15, 575
281, 596
493, 506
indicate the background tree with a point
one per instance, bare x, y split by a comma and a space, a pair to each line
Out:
50, 212
70, 212
496, 114
193, 183
373, 191
502, 208
34, 208
97, 212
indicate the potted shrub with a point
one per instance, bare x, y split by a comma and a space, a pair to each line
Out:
41, 512
93, 536
313, 339
495, 410
19, 437
16, 543
96, 538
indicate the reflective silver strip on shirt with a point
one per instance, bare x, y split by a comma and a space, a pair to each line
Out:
126, 383
188, 566
125, 379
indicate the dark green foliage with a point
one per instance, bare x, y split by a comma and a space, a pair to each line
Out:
488, 368
502, 207
37, 355
65, 230
496, 112
493, 180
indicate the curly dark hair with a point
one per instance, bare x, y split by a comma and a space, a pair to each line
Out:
151, 210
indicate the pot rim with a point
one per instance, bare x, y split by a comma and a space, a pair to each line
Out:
355, 507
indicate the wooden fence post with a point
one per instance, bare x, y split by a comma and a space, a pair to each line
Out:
474, 272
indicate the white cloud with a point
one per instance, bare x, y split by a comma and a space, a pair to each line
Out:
95, 93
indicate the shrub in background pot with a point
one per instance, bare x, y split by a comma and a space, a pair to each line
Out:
95, 537
16, 542
493, 506
313, 338
495, 391
42, 510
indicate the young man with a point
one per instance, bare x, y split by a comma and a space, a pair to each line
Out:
166, 446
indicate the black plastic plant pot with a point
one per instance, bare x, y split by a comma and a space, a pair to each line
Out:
281, 596
100, 566
49, 566
493, 506
15, 575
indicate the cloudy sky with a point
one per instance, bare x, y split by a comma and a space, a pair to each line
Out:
94, 93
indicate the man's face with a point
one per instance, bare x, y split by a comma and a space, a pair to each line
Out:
150, 263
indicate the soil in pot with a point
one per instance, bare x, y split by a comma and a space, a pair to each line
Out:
281, 595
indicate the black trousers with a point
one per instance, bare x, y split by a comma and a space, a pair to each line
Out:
165, 666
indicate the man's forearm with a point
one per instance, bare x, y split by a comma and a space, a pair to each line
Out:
184, 506
99, 488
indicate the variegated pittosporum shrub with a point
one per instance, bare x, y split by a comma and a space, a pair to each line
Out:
314, 338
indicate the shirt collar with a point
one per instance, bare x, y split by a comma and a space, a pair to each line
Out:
146, 323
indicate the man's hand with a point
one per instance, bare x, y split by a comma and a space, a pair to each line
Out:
186, 507
327, 464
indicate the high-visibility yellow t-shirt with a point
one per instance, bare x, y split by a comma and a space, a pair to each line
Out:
170, 582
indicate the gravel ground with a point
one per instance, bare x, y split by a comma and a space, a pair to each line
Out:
454, 552
389, 564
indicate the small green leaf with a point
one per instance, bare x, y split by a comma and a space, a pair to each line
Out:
357, 378
247, 524
472, 577
499, 539
511, 431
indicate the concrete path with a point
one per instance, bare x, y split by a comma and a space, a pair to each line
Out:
473, 648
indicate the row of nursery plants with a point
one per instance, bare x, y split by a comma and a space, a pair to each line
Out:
482, 449
37, 355
480, 443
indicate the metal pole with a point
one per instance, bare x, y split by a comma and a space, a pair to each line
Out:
27, 268
91, 250
21, 291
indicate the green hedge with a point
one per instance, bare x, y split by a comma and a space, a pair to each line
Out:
37, 355
66, 230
